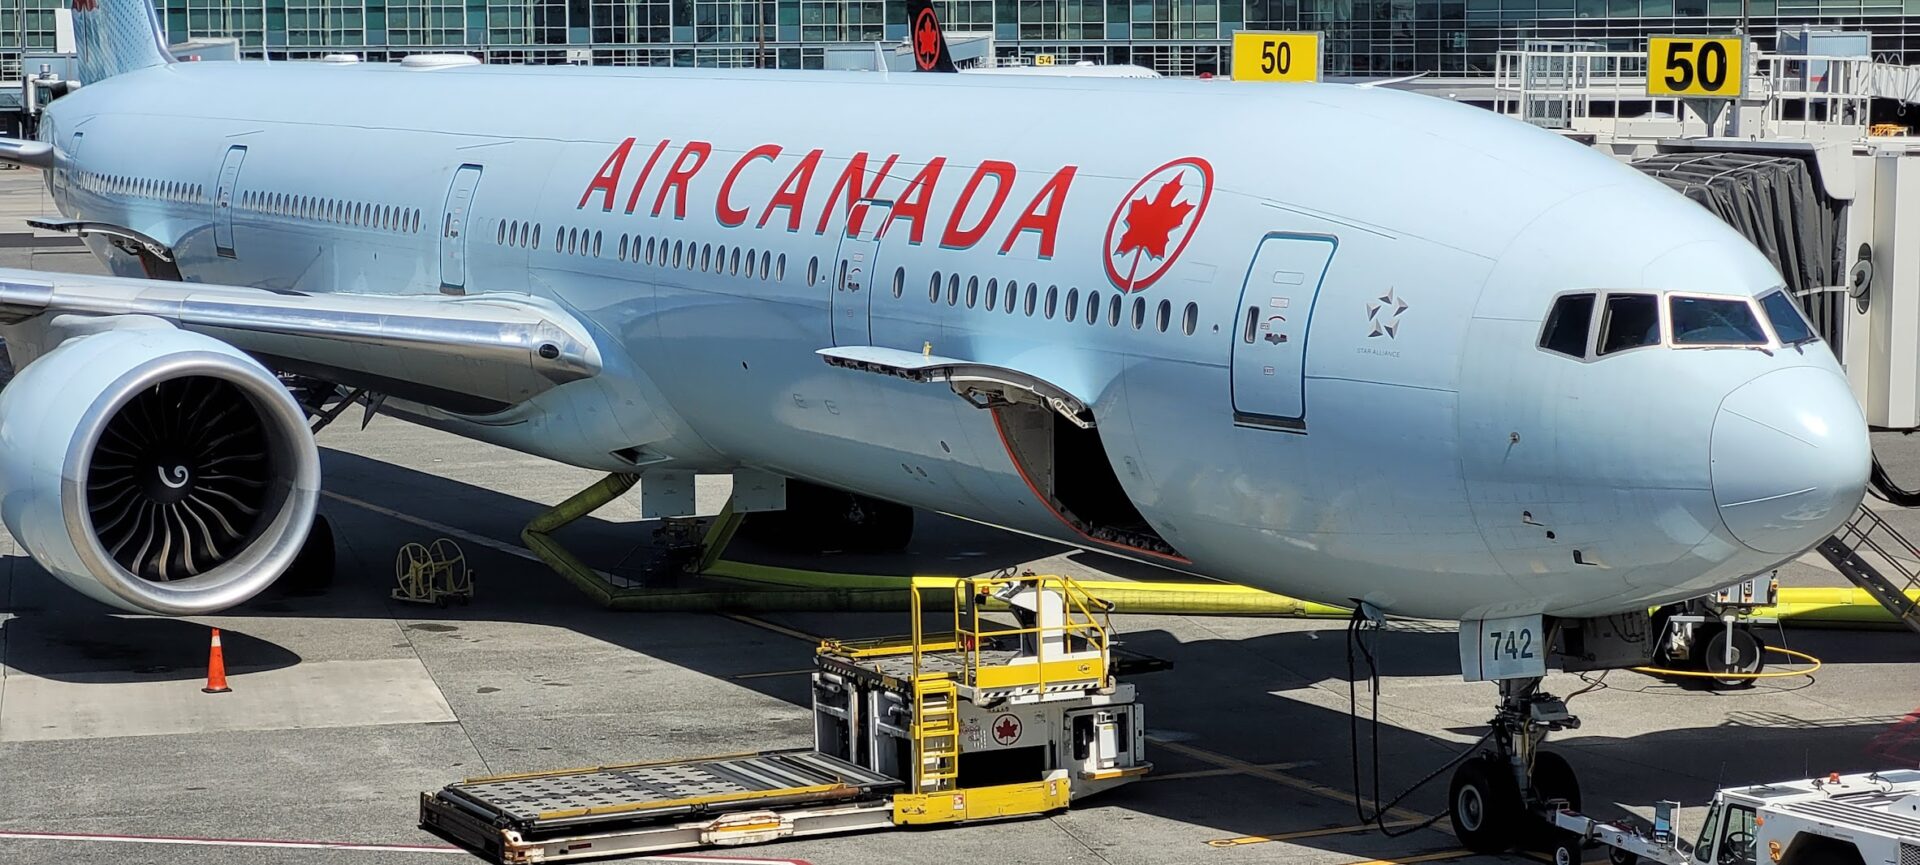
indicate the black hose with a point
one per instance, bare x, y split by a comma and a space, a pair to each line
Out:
1883, 486
1354, 627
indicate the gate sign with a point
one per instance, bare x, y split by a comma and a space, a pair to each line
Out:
1712, 67
1267, 56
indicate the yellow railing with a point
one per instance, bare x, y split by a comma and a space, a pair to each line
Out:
1081, 634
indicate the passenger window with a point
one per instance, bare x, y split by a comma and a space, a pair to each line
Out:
733, 263
720, 260
993, 294
1113, 310
1013, 295
597, 237
679, 248
1567, 324
1053, 300
933, 288
766, 264
706, 258
1631, 320
500, 237
1033, 297
536, 230
1788, 323
1093, 307
622, 252
813, 270
899, 282
650, 250
1163, 315
780, 268
1190, 320
973, 291
1714, 321
1073, 304
1139, 313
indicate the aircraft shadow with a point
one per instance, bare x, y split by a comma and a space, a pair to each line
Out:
1269, 699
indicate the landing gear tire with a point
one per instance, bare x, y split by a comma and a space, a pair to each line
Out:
1553, 778
1486, 807
312, 570
1748, 657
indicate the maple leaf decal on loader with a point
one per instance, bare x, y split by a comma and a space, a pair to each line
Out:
1151, 223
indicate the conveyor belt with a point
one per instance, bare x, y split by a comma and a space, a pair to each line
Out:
543, 801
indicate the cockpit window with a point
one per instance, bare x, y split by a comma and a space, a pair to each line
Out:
1631, 320
1788, 324
1714, 321
1566, 330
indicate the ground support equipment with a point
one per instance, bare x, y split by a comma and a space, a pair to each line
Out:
986, 720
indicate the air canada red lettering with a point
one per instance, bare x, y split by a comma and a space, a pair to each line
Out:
729, 215
607, 180
848, 189
915, 199
1043, 213
792, 194
684, 167
955, 237
633, 197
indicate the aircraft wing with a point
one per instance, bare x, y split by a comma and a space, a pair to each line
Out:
19, 150
472, 354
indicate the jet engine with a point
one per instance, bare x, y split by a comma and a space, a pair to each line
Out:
155, 469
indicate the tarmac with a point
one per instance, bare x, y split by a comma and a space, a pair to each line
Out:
346, 705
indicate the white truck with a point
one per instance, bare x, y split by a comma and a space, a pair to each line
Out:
1864, 819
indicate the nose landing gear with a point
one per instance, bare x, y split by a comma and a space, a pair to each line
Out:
1503, 798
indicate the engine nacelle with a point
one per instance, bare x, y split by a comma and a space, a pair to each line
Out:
156, 470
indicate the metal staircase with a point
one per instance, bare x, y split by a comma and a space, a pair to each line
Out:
1869, 534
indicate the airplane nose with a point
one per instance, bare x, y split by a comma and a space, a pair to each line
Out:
1790, 459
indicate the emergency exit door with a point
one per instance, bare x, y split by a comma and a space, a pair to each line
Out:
854, 276
223, 200
1270, 341
453, 230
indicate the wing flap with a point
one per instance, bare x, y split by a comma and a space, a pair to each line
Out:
488, 350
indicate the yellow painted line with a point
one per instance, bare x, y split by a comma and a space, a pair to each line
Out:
778, 629
1245, 840
773, 674
1222, 773
1301, 784
1410, 860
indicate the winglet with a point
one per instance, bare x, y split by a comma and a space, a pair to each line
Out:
923, 35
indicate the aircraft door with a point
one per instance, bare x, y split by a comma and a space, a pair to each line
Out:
453, 230
223, 201
1270, 342
854, 277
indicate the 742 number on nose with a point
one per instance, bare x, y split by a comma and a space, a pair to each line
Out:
1505, 648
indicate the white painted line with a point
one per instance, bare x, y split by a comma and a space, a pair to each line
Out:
341, 845
462, 534
230, 842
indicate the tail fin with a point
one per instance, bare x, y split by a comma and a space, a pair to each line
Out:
115, 36
929, 44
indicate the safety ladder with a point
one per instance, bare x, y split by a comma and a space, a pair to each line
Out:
1868, 532
936, 732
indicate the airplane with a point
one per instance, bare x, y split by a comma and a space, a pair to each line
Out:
1347, 344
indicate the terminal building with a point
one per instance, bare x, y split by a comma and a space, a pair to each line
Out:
1453, 38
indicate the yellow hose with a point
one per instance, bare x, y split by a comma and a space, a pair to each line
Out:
1776, 674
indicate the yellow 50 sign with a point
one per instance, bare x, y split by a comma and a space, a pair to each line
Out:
1261, 56
1700, 66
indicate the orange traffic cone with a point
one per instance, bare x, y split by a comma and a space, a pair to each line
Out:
216, 668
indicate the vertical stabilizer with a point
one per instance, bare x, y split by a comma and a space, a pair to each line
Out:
923, 34
115, 36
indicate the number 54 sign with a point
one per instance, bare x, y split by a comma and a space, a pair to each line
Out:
1696, 66
1263, 56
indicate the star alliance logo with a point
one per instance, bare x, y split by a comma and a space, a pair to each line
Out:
1384, 314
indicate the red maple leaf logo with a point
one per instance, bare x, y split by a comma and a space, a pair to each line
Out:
926, 40
1150, 223
84, 5
1007, 730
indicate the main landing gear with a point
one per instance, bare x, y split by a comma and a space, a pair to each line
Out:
1501, 797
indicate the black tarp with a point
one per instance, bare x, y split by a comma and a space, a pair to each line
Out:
1774, 201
